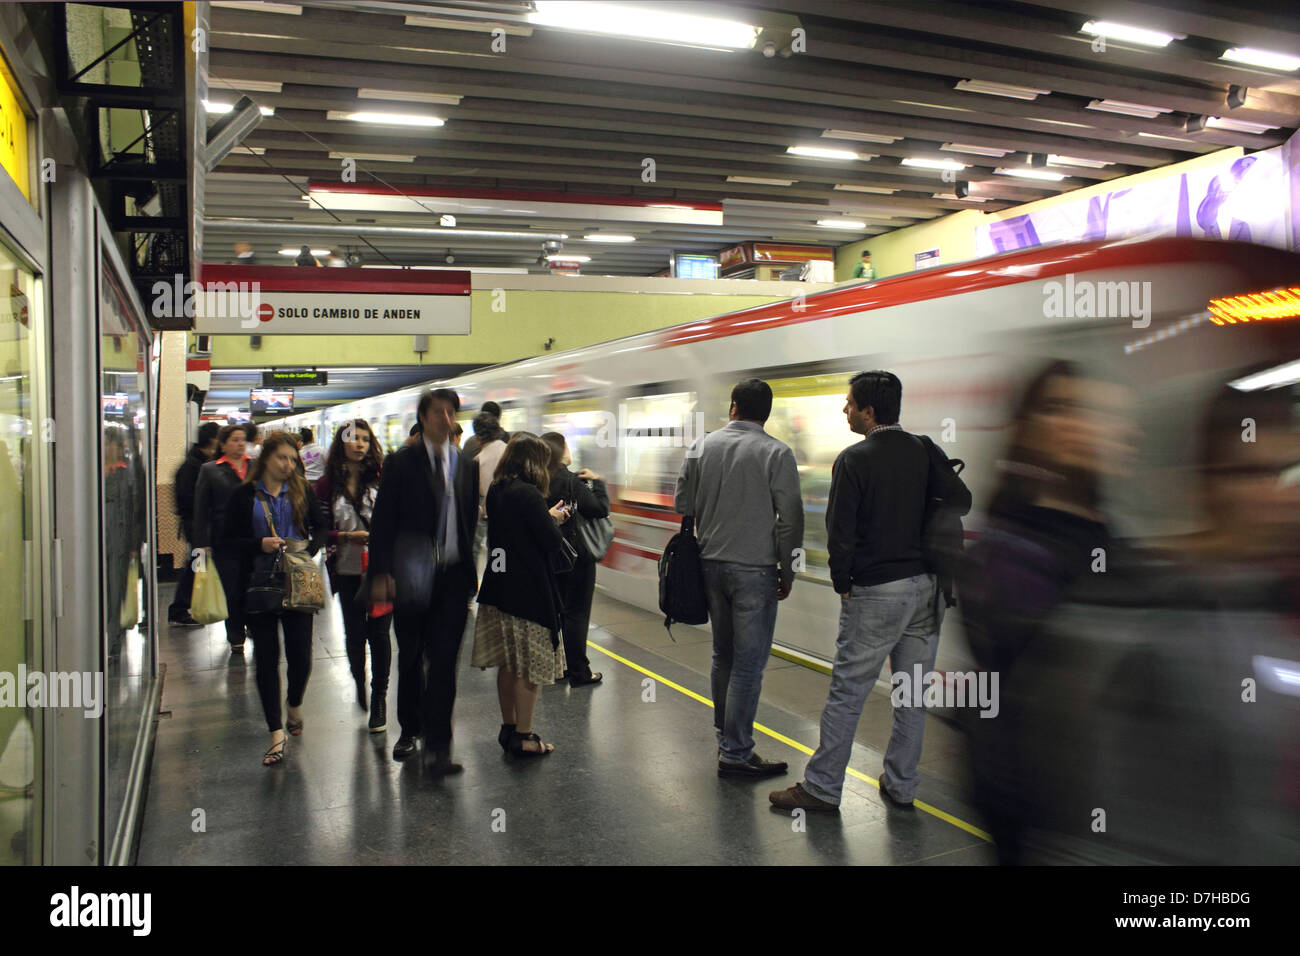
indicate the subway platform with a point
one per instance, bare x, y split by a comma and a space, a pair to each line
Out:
632, 781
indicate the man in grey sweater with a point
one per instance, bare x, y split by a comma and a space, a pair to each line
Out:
742, 487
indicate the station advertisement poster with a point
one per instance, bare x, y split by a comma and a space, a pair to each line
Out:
926, 259
1236, 199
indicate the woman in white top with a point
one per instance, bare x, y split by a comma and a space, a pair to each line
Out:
491, 446
348, 490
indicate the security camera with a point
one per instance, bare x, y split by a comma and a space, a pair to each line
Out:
449, 258
552, 246
769, 49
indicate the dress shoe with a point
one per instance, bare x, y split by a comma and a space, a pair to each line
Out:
404, 747
378, 714
797, 798
585, 681
755, 766
184, 621
891, 800
439, 763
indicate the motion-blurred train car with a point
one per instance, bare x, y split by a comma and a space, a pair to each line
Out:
961, 338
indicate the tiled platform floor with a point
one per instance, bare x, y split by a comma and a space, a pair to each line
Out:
632, 781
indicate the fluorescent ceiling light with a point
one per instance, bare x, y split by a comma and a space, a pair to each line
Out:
1055, 160
247, 86
822, 152
290, 8
298, 252
866, 189
1237, 126
759, 181
402, 96
384, 119
373, 157
215, 106
1119, 31
841, 224
1265, 58
950, 196
442, 23
1029, 173
1000, 89
935, 106
860, 137
1172, 139
1127, 109
977, 150
250, 150
1288, 374
609, 237
932, 163
562, 257
1063, 123
645, 23
478, 270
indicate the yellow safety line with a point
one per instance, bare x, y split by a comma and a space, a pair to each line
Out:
807, 751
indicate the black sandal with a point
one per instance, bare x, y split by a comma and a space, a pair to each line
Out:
276, 754
517, 741
503, 738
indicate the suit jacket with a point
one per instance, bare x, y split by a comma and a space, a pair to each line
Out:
410, 500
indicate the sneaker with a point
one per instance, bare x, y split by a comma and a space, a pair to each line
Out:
755, 766
797, 798
378, 714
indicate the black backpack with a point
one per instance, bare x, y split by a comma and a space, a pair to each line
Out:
682, 595
947, 499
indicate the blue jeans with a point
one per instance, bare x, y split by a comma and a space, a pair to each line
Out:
899, 620
742, 610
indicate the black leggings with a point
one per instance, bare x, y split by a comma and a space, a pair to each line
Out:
578, 587
264, 629
358, 631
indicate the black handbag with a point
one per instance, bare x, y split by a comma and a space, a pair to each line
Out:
266, 588
562, 561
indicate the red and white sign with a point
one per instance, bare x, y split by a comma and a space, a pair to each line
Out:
254, 300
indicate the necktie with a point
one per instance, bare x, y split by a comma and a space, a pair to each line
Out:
443, 505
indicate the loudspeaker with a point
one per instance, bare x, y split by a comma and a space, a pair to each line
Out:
254, 341
421, 344
203, 344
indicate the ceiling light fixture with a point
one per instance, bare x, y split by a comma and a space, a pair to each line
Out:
921, 163
1055, 159
246, 86
841, 224
298, 252
1127, 109
373, 157
1000, 89
759, 181
1252, 56
880, 190
977, 150
404, 96
217, 107
1029, 173
608, 237
384, 119
966, 198
1237, 126
1121, 31
644, 23
860, 137
822, 152
565, 257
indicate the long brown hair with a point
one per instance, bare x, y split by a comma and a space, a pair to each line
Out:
296, 483
527, 458
336, 465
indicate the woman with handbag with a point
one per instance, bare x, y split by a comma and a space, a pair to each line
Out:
217, 480
584, 491
520, 611
348, 489
275, 524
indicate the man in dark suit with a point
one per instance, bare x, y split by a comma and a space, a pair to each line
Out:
426, 510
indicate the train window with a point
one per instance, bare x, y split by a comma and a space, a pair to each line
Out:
587, 431
653, 432
514, 419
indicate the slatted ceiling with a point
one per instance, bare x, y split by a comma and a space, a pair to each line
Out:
561, 111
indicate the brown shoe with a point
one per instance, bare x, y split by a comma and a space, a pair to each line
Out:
797, 798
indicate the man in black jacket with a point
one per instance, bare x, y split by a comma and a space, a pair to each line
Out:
889, 604
187, 476
425, 513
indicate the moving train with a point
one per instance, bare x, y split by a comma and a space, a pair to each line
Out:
962, 338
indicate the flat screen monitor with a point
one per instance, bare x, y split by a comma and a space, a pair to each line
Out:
115, 404
270, 401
